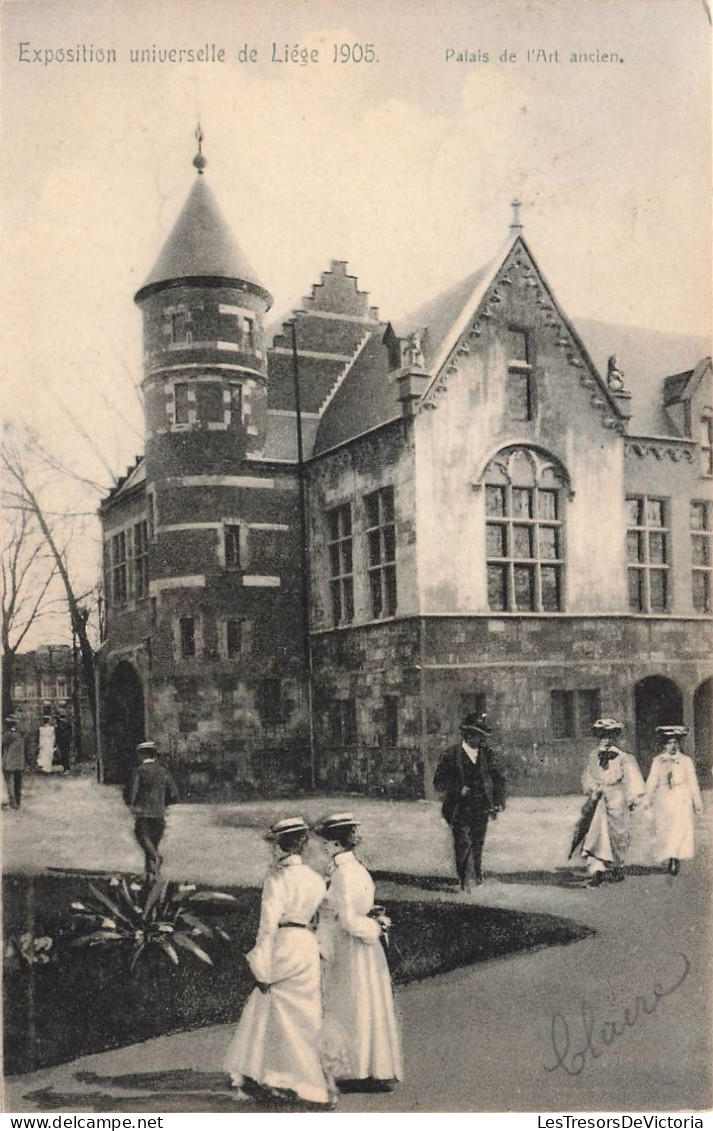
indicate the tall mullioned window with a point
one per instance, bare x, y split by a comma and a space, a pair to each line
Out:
183, 403
381, 551
701, 555
524, 503
341, 579
141, 560
187, 637
647, 546
231, 547
119, 568
707, 446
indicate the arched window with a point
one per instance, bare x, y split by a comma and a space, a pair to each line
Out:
525, 495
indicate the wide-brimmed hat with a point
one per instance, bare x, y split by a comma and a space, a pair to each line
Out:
287, 825
477, 720
673, 731
11, 719
334, 822
608, 726
145, 746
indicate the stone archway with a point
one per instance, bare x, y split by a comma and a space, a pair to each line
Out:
701, 748
657, 702
124, 722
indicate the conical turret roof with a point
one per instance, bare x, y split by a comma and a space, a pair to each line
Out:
200, 246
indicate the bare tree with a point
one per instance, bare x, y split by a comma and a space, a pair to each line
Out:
26, 573
22, 495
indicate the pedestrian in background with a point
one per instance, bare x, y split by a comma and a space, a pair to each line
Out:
46, 745
672, 790
13, 761
613, 782
474, 787
151, 789
361, 1047
63, 737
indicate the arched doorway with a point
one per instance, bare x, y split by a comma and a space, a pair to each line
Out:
657, 701
702, 745
123, 727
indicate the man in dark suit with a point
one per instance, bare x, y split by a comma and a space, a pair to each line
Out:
13, 761
474, 789
152, 789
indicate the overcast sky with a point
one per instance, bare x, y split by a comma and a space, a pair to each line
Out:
405, 167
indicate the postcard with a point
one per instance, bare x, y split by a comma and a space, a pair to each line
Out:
357, 476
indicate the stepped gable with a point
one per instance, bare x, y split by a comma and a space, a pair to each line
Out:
647, 359
332, 324
135, 476
200, 246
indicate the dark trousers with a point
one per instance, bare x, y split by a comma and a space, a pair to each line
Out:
148, 831
13, 782
469, 830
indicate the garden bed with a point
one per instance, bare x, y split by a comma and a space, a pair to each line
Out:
86, 1001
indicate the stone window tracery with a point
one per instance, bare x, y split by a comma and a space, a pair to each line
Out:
524, 514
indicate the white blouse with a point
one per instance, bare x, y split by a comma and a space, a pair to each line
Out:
292, 892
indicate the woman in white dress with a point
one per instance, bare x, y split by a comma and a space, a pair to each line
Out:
613, 780
45, 752
277, 1042
672, 789
361, 1044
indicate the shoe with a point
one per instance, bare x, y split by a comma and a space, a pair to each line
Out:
673, 866
595, 880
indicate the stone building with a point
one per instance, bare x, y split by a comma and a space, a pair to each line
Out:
487, 507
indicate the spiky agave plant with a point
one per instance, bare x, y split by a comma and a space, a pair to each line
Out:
135, 917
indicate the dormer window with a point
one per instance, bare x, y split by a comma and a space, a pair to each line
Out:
519, 375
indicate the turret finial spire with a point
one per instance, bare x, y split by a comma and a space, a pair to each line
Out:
199, 160
516, 205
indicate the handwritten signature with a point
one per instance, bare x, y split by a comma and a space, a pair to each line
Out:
596, 1034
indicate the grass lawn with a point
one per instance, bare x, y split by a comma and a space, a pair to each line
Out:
86, 1001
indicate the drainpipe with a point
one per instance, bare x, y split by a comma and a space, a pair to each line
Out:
304, 555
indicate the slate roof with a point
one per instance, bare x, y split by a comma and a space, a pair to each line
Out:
201, 245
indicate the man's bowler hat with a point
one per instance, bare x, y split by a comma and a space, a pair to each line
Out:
478, 722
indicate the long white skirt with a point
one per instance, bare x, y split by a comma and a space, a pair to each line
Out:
674, 823
361, 1038
45, 754
278, 1036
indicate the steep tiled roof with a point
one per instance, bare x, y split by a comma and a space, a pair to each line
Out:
201, 244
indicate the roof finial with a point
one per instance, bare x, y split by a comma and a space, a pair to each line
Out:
199, 160
516, 206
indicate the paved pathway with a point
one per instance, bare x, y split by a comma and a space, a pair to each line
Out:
478, 1039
